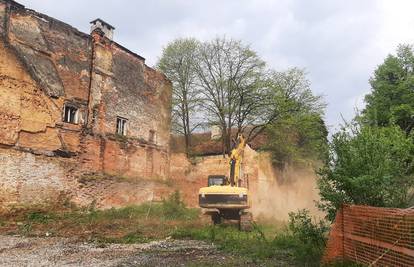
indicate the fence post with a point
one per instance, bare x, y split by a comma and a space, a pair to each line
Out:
343, 231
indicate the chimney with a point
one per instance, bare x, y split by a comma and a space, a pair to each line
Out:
106, 28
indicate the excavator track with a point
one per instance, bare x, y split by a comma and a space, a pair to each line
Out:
246, 221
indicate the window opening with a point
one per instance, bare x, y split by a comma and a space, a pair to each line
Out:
70, 114
121, 126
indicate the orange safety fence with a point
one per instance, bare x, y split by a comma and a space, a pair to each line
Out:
372, 236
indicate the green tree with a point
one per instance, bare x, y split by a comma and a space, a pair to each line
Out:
296, 138
367, 165
392, 92
177, 63
293, 118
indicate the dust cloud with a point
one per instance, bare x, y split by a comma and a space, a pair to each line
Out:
275, 193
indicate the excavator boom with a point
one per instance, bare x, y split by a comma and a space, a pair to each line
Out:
236, 157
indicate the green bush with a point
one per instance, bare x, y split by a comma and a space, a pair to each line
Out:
368, 166
174, 208
309, 237
303, 240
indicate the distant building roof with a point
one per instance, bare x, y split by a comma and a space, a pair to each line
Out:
203, 145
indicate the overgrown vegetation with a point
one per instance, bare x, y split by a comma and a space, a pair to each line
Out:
300, 242
310, 236
371, 159
139, 223
368, 165
303, 240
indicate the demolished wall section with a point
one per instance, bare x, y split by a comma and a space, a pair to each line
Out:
273, 193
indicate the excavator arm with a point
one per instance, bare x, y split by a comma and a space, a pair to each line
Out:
236, 157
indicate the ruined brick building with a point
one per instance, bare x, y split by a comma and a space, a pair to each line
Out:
83, 120
72, 104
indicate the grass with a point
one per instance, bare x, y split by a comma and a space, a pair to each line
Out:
301, 241
254, 245
265, 244
132, 224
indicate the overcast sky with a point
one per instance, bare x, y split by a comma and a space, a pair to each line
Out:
339, 43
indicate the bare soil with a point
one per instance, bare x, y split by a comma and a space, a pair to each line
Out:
58, 251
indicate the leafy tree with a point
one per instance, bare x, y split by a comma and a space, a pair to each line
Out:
368, 165
293, 118
392, 97
297, 137
177, 63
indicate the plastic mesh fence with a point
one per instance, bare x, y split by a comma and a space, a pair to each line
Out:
372, 236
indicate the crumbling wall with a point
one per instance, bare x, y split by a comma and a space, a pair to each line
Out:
46, 64
191, 174
274, 194
29, 180
28, 116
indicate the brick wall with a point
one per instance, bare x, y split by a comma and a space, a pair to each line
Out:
46, 64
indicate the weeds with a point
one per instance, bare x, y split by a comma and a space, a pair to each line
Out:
310, 236
25, 228
132, 224
302, 240
253, 245
174, 208
39, 217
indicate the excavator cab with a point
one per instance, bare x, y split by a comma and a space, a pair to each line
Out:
217, 180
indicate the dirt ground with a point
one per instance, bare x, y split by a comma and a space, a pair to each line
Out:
58, 251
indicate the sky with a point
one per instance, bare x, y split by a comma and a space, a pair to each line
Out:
339, 43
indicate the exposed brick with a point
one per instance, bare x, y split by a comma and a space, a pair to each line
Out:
46, 64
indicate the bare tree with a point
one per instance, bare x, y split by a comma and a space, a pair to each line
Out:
226, 83
177, 63
229, 75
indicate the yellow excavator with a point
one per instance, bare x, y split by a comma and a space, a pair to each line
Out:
226, 198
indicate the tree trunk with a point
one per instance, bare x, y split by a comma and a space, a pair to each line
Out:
188, 135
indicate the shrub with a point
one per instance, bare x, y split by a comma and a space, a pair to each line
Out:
174, 208
309, 237
368, 166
